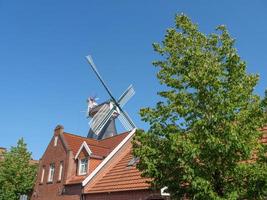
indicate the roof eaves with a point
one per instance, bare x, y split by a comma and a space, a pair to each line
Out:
105, 161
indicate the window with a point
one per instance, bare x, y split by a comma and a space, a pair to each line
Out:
83, 165
133, 161
42, 176
60, 171
55, 141
51, 172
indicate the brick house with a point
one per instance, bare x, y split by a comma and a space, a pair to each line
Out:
80, 168
75, 167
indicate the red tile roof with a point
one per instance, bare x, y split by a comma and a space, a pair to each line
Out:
75, 180
112, 142
121, 177
98, 147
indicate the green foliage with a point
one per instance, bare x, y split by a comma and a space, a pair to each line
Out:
208, 122
17, 175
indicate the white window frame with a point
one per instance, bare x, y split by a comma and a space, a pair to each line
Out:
80, 172
55, 141
42, 176
51, 173
60, 172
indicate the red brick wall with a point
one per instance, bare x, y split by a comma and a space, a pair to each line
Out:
125, 195
52, 191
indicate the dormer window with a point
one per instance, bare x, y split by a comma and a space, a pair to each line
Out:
83, 166
82, 156
55, 141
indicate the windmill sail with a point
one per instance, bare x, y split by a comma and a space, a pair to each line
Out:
106, 114
125, 97
126, 121
104, 119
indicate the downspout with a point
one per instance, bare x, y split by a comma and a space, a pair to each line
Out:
82, 193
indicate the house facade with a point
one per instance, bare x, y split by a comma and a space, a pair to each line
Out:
75, 168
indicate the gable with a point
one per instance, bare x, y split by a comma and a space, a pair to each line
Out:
84, 151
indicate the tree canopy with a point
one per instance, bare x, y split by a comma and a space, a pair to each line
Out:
203, 137
17, 175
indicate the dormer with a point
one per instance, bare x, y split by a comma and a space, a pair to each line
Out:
82, 159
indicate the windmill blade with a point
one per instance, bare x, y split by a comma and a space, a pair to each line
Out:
96, 120
92, 64
126, 121
103, 121
125, 97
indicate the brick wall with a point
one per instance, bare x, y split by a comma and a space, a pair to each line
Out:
53, 190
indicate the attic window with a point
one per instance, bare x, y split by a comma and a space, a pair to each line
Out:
83, 166
133, 161
55, 141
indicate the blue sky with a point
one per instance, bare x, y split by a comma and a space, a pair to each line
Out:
44, 77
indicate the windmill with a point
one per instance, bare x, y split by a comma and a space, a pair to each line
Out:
102, 124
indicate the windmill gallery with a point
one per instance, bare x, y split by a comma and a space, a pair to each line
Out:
99, 166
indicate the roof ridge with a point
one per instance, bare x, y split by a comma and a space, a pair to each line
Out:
97, 142
95, 139
99, 146
80, 136
85, 139
114, 136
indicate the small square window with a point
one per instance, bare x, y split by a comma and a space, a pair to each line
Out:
133, 161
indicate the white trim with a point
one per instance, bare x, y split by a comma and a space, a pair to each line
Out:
84, 144
163, 193
60, 171
104, 162
55, 141
42, 177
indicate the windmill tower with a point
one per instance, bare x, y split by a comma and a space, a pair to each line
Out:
102, 123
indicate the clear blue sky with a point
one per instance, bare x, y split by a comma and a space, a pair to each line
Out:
45, 80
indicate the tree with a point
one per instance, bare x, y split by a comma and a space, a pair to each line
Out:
203, 137
17, 175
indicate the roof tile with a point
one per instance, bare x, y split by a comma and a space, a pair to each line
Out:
98, 147
121, 177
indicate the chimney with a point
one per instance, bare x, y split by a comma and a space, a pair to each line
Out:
58, 130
